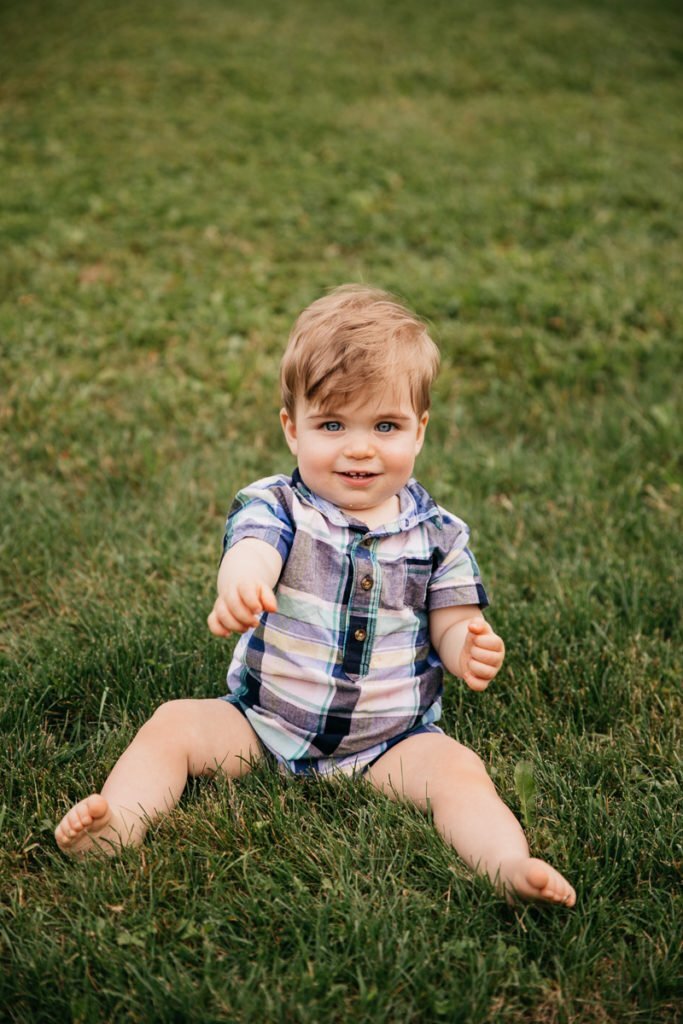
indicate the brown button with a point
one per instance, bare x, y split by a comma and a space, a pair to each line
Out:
366, 583
360, 634
367, 542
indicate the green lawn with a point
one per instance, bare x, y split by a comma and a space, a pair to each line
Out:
177, 180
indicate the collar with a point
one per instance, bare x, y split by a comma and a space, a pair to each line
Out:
416, 506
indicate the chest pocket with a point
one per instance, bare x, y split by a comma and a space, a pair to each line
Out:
405, 583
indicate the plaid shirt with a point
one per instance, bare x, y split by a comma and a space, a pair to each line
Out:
345, 664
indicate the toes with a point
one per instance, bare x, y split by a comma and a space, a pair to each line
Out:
537, 881
63, 834
539, 876
559, 891
96, 806
74, 820
86, 816
83, 815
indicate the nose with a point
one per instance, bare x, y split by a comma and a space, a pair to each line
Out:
359, 446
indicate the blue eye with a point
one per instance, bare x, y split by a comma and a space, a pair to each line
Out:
332, 426
385, 427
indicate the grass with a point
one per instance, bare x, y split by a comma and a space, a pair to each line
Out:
177, 182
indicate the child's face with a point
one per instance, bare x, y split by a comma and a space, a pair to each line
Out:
358, 455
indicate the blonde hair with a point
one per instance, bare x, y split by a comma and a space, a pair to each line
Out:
357, 338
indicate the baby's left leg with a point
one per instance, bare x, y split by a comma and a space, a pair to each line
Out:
433, 770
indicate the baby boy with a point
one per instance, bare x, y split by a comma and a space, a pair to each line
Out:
352, 590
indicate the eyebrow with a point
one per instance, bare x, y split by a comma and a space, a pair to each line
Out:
332, 415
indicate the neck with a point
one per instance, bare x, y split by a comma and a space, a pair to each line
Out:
379, 516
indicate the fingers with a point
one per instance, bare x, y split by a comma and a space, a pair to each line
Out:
487, 641
220, 622
268, 599
485, 645
478, 675
481, 670
484, 654
240, 608
217, 622
487, 657
474, 682
479, 627
245, 603
230, 617
257, 598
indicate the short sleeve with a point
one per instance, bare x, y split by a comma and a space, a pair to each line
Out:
457, 581
260, 511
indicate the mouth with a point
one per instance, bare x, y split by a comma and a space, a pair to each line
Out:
357, 476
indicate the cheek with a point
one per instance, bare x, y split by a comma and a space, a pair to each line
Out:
402, 457
314, 454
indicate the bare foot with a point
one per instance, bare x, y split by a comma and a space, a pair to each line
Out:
527, 878
79, 830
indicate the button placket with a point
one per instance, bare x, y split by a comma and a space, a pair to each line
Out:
359, 622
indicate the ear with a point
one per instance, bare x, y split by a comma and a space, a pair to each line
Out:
289, 430
421, 428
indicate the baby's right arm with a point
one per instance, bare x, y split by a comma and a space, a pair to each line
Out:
246, 578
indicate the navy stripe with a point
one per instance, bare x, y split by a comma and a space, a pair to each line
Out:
336, 729
250, 690
353, 649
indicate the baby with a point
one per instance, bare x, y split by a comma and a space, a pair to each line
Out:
352, 591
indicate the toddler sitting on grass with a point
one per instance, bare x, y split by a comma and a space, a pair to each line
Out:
352, 591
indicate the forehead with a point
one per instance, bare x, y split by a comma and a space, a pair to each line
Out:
392, 399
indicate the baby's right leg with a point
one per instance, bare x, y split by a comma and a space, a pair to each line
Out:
182, 738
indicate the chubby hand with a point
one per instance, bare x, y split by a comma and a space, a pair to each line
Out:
240, 607
481, 656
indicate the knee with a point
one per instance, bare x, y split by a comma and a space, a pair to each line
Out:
172, 714
460, 765
453, 756
465, 760
178, 724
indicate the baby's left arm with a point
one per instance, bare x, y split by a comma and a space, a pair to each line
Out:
466, 644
